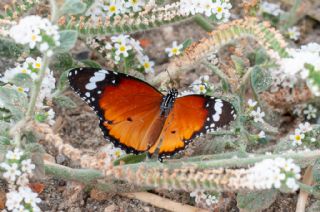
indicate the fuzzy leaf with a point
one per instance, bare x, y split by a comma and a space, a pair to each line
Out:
256, 201
22, 80
186, 43
260, 79
63, 81
68, 39
129, 159
10, 49
15, 101
64, 101
239, 64
63, 61
4, 126
72, 7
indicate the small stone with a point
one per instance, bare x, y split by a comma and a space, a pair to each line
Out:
60, 158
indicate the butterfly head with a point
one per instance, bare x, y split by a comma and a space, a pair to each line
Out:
173, 92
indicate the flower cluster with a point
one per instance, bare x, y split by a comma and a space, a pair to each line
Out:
174, 50
271, 8
112, 8
202, 85
204, 200
111, 153
30, 69
257, 114
302, 134
297, 67
17, 169
36, 32
274, 173
123, 48
220, 9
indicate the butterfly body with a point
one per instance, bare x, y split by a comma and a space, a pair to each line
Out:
138, 118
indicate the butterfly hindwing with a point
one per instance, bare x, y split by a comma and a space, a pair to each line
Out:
191, 117
128, 108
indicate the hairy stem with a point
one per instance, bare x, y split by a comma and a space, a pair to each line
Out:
36, 88
54, 11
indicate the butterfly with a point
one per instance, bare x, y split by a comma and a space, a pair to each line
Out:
138, 118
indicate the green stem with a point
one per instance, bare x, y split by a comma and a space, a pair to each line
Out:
203, 23
219, 73
36, 88
89, 177
54, 11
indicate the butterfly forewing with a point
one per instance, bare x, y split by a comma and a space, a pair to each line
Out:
128, 108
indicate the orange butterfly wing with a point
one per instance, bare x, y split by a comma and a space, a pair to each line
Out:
128, 108
191, 117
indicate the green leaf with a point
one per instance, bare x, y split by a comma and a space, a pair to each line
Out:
22, 80
72, 7
261, 79
62, 62
10, 49
91, 63
186, 44
256, 201
68, 39
16, 102
64, 101
4, 127
316, 171
63, 81
130, 159
239, 64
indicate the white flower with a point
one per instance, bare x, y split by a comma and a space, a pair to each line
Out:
292, 184
14, 155
175, 50
271, 8
262, 134
122, 49
297, 137
23, 180
114, 7
123, 39
311, 47
44, 47
50, 117
29, 196
257, 115
186, 92
221, 10
211, 200
252, 103
147, 64
136, 5
199, 88
14, 200
199, 196
112, 153
294, 33
11, 171
136, 45
207, 7
310, 112
306, 127
27, 166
